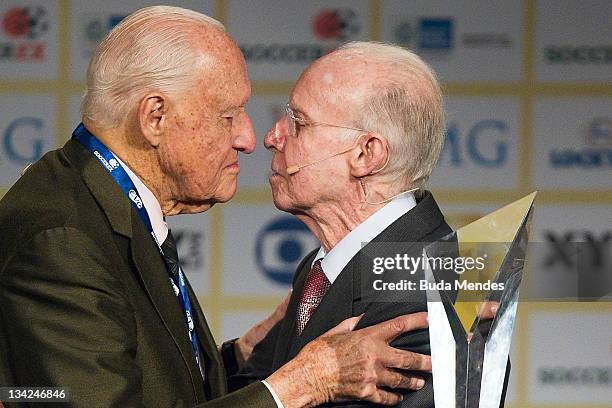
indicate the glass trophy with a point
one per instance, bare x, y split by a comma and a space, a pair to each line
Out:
471, 319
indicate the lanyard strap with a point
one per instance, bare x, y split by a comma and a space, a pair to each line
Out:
123, 180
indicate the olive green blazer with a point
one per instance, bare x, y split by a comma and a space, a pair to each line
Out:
85, 301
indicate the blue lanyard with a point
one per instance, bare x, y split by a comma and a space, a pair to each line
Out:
117, 172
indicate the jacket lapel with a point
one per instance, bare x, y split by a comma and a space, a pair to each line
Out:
147, 260
215, 384
152, 271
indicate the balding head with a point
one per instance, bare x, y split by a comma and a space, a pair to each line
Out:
390, 91
157, 48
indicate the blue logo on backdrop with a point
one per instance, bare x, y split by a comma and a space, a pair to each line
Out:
280, 246
484, 144
426, 34
596, 154
15, 143
97, 27
435, 34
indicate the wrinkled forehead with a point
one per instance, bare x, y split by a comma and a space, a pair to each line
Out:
223, 74
336, 85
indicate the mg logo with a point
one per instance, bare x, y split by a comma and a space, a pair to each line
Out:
22, 142
280, 246
484, 144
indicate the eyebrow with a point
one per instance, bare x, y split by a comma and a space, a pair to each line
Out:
300, 112
234, 110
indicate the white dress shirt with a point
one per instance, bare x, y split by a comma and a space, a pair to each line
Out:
339, 256
160, 228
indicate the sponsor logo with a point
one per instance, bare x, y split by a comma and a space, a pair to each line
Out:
190, 245
599, 132
174, 287
282, 53
189, 322
426, 34
94, 29
25, 22
329, 26
484, 144
21, 141
111, 165
581, 262
23, 27
336, 24
486, 40
578, 54
562, 250
577, 375
280, 246
134, 197
597, 154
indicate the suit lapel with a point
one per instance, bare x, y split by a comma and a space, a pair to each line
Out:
147, 260
152, 271
215, 384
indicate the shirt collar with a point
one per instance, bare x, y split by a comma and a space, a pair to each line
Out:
339, 256
160, 228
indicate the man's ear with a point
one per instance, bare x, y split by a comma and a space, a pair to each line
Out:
152, 113
371, 155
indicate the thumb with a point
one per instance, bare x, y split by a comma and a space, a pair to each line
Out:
345, 326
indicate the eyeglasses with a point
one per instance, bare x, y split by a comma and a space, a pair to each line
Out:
294, 121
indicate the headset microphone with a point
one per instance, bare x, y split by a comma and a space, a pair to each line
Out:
295, 168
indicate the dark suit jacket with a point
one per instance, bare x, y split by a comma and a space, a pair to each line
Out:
85, 300
347, 298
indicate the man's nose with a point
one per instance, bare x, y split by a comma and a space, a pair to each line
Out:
244, 138
277, 135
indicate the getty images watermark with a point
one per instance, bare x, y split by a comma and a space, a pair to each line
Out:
446, 264
573, 271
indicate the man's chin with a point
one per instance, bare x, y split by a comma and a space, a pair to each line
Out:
226, 195
280, 200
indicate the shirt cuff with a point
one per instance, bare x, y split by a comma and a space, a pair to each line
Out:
279, 404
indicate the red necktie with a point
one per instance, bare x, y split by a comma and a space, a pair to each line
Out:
315, 288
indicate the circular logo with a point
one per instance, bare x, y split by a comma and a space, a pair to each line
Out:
336, 24
280, 246
29, 22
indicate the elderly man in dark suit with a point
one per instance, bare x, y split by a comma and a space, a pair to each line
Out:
92, 296
363, 131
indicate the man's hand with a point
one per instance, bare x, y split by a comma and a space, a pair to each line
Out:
343, 365
245, 344
486, 312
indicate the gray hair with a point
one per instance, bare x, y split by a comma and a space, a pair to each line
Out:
406, 107
151, 49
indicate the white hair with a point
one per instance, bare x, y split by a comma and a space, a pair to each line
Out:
151, 49
406, 107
